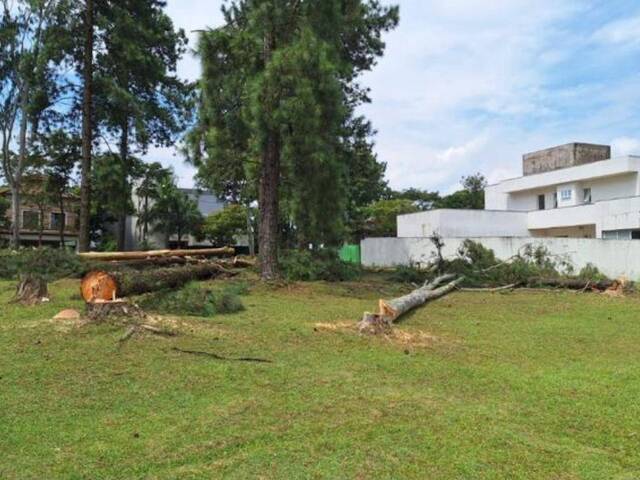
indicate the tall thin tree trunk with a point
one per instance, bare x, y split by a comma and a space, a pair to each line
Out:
124, 154
268, 196
15, 214
268, 190
250, 237
63, 224
40, 225
16, 184
87, 131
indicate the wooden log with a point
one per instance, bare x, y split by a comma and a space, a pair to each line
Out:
117, 284
112, 256
389, 311
571, 283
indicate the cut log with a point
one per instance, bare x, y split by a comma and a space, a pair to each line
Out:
203, 252
389, 311
111, 285
570, 283
31, 290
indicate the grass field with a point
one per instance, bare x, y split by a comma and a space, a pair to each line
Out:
498, 386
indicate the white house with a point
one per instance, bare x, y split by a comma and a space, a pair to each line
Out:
570, 191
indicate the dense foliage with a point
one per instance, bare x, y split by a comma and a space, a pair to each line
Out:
194, 300
49, 263
325, 264
381, 216
222, 227
277, 112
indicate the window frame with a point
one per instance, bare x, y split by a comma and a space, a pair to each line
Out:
53, 224
584, 195
24, 225
566, 194
542, 202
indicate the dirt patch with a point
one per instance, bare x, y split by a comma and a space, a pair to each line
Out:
417, 338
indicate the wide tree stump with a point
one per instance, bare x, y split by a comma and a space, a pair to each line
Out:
102, 310
31, 290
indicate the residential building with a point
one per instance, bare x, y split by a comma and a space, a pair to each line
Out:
41, 216
207, 202
574, 190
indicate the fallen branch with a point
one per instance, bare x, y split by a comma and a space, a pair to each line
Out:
220, 357
570, 283
203, 252
491, 289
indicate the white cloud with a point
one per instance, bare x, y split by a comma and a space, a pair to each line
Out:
626, 31
625, 146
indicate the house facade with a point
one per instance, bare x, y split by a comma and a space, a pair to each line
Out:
207, 203
571, 191
42, 220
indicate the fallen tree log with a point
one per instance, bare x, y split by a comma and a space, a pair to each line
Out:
390, 310
100, 285
114, 256
571, 283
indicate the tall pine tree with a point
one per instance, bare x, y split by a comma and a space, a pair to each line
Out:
278, 95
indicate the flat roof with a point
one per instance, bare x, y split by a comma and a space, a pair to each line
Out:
600, 169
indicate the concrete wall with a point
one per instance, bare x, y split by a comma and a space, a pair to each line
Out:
614, 258
456, 223
563, 156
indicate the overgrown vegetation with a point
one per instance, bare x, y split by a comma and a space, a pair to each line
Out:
325, 264
47, 263
196, 301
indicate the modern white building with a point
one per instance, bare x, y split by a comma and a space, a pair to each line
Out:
571, 191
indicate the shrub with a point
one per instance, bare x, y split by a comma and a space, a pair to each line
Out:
325, 264
409, 274
48, 263
194, 300
591, 272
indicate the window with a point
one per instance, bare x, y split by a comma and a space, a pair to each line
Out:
555, 199
57, 220
541, 205
565, 194
586, 195
30, 220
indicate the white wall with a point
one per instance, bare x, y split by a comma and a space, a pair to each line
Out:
614, 258
463, 223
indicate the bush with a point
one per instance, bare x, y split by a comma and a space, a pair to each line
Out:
194, 300
48, 263
591, 272
480, 266
409, 274
310, 266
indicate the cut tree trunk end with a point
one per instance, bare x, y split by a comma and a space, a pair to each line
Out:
100, 285
389, 311
31, 290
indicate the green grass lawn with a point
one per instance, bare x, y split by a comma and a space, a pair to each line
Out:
524, 385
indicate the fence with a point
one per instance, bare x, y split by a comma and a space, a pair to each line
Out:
614, 258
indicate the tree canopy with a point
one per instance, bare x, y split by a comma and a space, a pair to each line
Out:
277, 101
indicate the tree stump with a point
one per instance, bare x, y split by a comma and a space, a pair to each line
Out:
31, 290
102, 310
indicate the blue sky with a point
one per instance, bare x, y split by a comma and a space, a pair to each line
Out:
470, 85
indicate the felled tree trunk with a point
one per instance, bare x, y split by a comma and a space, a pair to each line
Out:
31, 290
571, 283
390, 310
100, 285
116, 256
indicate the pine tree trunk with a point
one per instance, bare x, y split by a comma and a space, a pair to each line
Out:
63, 223
15, 213
124, 153
87, 134
268, 190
